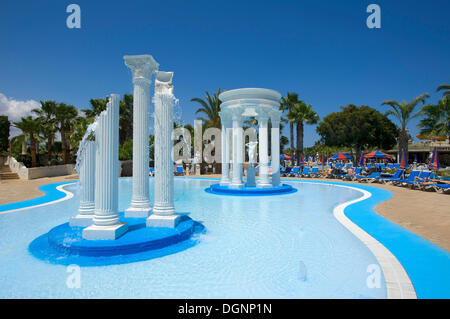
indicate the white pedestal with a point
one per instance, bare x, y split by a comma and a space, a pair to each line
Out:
112, 232
82, 220
251, 179
170, 221
136, 212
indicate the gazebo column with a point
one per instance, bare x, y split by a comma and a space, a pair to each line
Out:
87, 187
263, 151
236, 181
275, 119
106, 215
164, 100
142, 67
225, 120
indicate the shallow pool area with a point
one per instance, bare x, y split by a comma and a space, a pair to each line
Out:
288, 246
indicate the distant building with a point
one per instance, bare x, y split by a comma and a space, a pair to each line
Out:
423, 150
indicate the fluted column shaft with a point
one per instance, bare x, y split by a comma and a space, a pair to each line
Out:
87, 180
225, 119
142, 68
107, 165
163, 204
263, 152
237, 151
141, 105
275, 150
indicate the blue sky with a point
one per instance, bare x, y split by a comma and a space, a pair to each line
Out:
321, 49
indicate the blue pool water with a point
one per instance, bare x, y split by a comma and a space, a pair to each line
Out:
287, 246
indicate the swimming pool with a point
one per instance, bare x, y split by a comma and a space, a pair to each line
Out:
287, 246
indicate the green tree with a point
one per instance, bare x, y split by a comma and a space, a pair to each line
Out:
31, 127
65, 115
437, 119
210, 107
446, 88
286, 104
126, 118
357, 128
4, 133
47, 113
302, 114
403, 112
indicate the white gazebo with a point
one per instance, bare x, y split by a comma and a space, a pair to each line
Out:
263, 104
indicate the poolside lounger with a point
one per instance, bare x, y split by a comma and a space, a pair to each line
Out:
423, 177
369, 165
442, 188
314, 172
179, 170
287, 171
383, 166
358, 171
397, 175
391, 166
369, 179
397, 166
305, 172
410, 178
295, 171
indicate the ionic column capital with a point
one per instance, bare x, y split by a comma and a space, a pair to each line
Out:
142, 67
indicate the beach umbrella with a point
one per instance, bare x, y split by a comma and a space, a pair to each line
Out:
322, 160
403, 160
285, 157
435, 160
301, 163
340, 157
377, 154
361, 160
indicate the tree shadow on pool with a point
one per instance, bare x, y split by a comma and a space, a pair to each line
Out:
41, 249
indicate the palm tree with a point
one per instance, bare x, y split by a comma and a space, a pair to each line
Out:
301, 114
47, 113
126, 118
286, 104
404, 112
98, 106
65, 114
445, 87
437, 118
209, 107
31, 127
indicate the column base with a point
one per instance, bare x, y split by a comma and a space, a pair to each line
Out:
251, 177
112, 232
82, 220
264, 184
276, 180
137, 212
170, 221
225, 181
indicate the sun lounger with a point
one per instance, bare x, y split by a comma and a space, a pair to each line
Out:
410, 178
314, 172
397, 175
179, 170
287, 171
368, 179
423, 177
358, 171
305, 172
390, 166
397, 166
442, 188
295, 171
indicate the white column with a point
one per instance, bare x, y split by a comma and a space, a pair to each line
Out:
142, 67
163, 208
236, 181
86, 182
263, 151
275, 119
106, 216
225, 121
